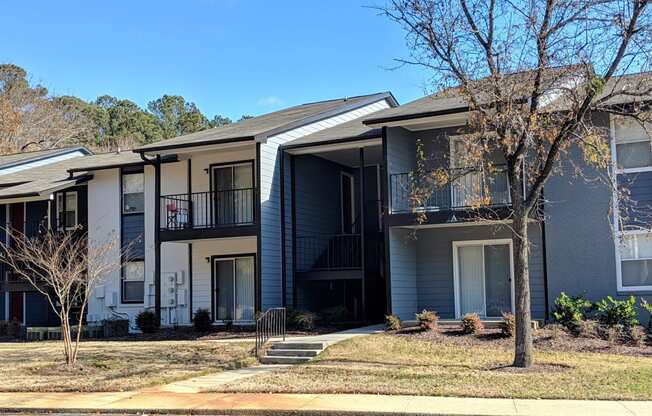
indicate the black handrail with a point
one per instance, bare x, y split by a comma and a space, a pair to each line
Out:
467, 188
270, 324
209, 209
328, 252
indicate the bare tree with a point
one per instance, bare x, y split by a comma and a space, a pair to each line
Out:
533, 73
65, 267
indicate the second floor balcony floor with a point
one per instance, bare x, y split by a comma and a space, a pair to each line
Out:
450, 189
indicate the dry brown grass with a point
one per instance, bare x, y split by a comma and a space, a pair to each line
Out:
388, 364
115, 365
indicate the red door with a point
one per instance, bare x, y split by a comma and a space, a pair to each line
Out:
16, 306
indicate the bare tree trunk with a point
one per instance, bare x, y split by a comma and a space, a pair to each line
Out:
523, 356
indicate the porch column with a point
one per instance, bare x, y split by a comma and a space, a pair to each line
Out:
362, 236
283, 248
157, 238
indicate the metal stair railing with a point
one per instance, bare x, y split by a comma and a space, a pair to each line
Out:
270, 324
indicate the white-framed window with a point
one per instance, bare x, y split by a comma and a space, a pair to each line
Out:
133, 282
67, 210
133, 193
633, 146
634, 255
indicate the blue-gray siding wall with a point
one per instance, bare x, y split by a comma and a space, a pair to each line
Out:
3, 297
38, 310
579, 238
401, 150
289, 262
403, 267
434, 265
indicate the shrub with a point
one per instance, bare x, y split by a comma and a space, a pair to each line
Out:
471, 324
202, 320
570, 311
588, 329
427, 320
617, 312
508, 325
636, 335
301, 320
334, 314
14, 328
392, 323
146, 321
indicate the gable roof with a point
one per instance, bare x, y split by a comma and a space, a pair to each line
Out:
261, 127
448, 102
42, 180
16, 159
349, 131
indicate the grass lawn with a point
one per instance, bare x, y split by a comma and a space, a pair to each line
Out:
114, 365
390, 364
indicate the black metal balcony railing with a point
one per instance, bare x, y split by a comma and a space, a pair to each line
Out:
328, 252
467, 188
211, 209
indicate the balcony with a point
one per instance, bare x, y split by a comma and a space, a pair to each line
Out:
466, 189
204, 211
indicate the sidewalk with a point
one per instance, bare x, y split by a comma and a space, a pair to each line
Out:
324, 404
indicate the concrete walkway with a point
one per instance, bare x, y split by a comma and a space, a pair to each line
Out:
324, 404
212, 381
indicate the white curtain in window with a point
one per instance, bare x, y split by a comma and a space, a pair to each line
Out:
244, 283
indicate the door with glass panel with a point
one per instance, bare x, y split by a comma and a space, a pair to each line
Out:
233, 280
483, 275
233, 194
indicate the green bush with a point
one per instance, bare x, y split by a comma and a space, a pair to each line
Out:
612, 312
202, 320
334, 314
301, 320
146, 321
508, 325
14, 328
392, 323
427, 320
472, 324
570, 311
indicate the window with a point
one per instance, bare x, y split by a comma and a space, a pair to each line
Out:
133, 282
133, 193
636, 260
67, 210
633, 146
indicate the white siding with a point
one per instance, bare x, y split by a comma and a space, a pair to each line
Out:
271, 280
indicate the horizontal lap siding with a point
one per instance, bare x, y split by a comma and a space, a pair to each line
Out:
270, 221
403, 273
432, 259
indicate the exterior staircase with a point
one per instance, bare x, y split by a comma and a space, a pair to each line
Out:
292, 352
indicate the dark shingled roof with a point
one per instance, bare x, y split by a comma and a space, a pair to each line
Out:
446, 102
268, 124
41, 180
24, 157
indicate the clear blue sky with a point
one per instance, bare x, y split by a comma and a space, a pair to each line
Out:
230, 57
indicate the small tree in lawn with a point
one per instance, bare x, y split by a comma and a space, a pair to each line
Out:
66, 268
532, 73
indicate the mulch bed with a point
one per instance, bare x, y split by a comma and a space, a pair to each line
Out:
552, 338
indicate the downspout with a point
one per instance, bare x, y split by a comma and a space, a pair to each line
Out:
546, 315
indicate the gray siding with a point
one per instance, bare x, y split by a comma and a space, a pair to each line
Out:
401, 150
403, 272
429, 258
3, 297
38, 311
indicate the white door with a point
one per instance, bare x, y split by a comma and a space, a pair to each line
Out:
483, 277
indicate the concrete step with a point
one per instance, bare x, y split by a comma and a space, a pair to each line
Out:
292, 353
298, 346
283, 360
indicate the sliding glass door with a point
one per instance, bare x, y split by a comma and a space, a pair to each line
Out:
483, 277
234, 288
233, 194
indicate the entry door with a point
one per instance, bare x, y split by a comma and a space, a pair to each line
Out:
483, 278
16, 306
347, 198
233, 194
234, 289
